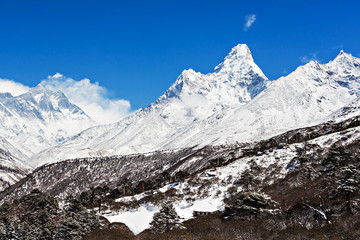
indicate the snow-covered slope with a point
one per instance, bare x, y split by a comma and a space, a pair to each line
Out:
236, 103
305, 97
241, 167
193, 97
348, 111
213, 187
37, 120
11, 169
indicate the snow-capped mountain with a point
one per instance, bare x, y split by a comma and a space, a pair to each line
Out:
37, 120
307, 96
193, 97
235, 103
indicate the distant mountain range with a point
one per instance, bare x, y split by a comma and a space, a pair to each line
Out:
34, 121
39, 119
235, 103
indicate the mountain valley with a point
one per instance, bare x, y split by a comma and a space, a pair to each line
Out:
278, 157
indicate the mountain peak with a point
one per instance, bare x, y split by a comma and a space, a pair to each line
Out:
343, 56
238, 54
236, 80
240, 51
312, 64
38, 89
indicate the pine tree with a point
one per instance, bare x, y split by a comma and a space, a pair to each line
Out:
165, 220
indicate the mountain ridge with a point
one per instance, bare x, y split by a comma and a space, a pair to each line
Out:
38, 119
192, 97
232, 104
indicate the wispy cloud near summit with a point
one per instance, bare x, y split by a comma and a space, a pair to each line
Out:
90, 97
250, 19
15, 88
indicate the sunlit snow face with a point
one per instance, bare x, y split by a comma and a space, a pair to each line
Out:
92, 98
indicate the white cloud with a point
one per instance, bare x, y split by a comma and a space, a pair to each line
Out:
57, 75
310, 57
90, 97
12, 87
250, 19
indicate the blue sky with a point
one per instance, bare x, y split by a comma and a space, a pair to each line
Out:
136, 49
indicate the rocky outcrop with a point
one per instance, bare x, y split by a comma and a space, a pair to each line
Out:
251, 206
